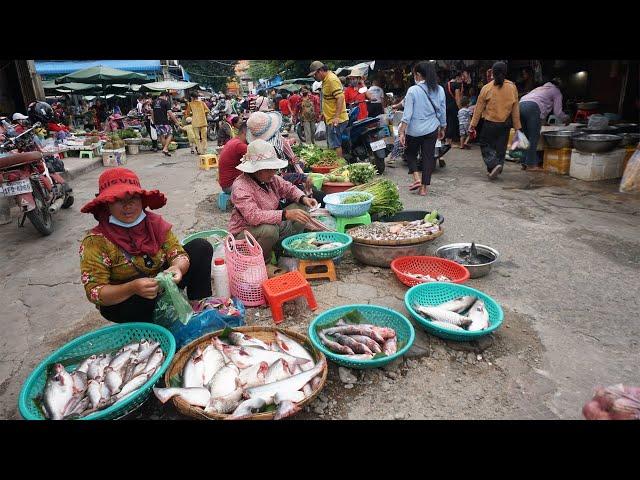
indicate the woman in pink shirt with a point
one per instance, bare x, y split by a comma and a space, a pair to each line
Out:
257, 196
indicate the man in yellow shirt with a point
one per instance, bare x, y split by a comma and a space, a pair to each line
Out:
197, 110
333, 104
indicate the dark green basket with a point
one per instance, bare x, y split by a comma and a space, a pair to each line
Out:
319, 254
108, 339
381, 316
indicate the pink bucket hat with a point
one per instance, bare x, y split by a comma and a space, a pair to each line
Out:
263, 125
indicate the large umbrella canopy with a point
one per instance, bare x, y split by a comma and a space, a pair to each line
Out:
102, 75
291, 87
359, 70
168, 85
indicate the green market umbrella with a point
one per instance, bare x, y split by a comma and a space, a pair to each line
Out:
102, 75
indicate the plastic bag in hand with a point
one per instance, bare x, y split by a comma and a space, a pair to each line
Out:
172, 306
520, 141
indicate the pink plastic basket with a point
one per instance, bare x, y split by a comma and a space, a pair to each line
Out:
246, 269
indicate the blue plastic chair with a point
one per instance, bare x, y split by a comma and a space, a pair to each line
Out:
224, 199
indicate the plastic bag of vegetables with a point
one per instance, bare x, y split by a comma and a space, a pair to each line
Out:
172, 306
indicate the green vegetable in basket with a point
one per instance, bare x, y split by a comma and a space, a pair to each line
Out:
431, 217
360, 173
356, 198
386, 197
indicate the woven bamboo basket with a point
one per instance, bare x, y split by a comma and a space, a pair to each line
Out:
266, 334
395, 243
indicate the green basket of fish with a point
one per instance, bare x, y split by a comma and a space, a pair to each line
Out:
317, 245
362, 336
453, 311
102, 375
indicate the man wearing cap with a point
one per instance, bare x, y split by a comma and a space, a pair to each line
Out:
257, 194
333, 104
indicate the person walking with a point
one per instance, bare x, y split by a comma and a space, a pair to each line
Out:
423, 122
161, 115
147, 110
333, 104
453, 93
352, 96
197, 110
497, 103
309, 114
535, 107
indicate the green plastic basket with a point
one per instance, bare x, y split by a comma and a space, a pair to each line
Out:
319, 254
106, 339
384, 317
435, 293
317, 179
205, 234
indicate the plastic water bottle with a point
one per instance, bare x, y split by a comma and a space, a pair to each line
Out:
220, 278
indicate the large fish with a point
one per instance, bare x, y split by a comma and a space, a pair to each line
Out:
213, 362
245, 357
58, 393
334, 346
293, 383
293, 348
285, 409
459, 304
442, 315
279, 370
243, 340
479, 317
225, 404
133, 385
198, 397
193, 371
247, 408
254, 375
449, 326
385, 332
225, 381
390, 346
306, 390
350, 342
367, 331
290, 396
368, 341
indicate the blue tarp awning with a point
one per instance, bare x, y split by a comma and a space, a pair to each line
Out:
68, 66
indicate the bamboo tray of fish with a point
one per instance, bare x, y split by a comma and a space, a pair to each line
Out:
382, 236
259, 334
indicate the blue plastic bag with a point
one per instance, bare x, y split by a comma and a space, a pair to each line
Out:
205, 322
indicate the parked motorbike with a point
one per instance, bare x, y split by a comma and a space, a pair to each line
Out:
32, 181
363, 141
213, 121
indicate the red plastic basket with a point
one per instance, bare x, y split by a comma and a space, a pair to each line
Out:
246, 269
324, 169
336, 187
424, 265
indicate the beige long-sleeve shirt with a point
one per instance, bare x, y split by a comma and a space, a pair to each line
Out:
496, 104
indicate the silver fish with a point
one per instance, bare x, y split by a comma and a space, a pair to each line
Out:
121, 360
293, 383
213, 362
442, 315
225, 404
247, 408
84, 366
225, 381
449, 326
368, 341
279, 370
80, 406
306, 390
245, 357
132, 385
285, 409
198, 397
243, 340
290, 396
80, 380
113, 380
58, 393
193, 371
293, 348
94, 393
133, 347
154, 360
138, 368
479, 317
254, 376
97, 366
334, 346
146, 352
459, 304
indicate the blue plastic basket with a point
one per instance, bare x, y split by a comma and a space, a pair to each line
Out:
319, 254
435, 293
106, 339
338, 209
384, 317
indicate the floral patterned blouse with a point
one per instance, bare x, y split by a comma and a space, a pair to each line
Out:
103, 263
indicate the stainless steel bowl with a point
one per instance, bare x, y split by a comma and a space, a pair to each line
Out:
627, 128
596, 143
630, 139
559, 138
609, 130
449, 252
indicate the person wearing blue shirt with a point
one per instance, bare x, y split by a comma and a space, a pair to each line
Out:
423, 122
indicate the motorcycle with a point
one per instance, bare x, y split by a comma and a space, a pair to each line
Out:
363, 140
33, 181
213, 122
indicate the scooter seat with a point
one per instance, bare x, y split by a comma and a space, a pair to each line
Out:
364, 121
13, 159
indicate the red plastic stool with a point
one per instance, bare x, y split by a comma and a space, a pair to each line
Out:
287, 287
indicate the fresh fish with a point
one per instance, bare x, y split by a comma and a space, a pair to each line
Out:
225, 381
356, 330
121, 360
225, 404
198, 397
384, 332
334, 346
290, 346
306, 390
97, 366
138, 368
254, 376
368, 341
213, 361
58, 393
79, 405
147, 351
459, 304
293, 383
247, 408
390, 346
132, 347
479, 317
290, 396
79, 382
154, 361
285, 409
279, 370
245, 357
315, 383
243, 340
448, 326
348, 341
113, 380
94, 392
133, 385
441, 315
84, 366
193, 371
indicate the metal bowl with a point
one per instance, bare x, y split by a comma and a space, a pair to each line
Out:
610, 130
559, 138
627, 128
476, 271
630, 139
596, 143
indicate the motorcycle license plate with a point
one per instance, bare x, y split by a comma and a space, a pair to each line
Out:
379, 145
15, 188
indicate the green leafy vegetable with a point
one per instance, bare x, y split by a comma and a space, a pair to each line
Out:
354, 316
356, 198
386, 197
431, 217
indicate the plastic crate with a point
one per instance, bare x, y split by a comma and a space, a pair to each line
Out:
557, 160
593, 167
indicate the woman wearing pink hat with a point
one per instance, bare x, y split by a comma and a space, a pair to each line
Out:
120, 257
